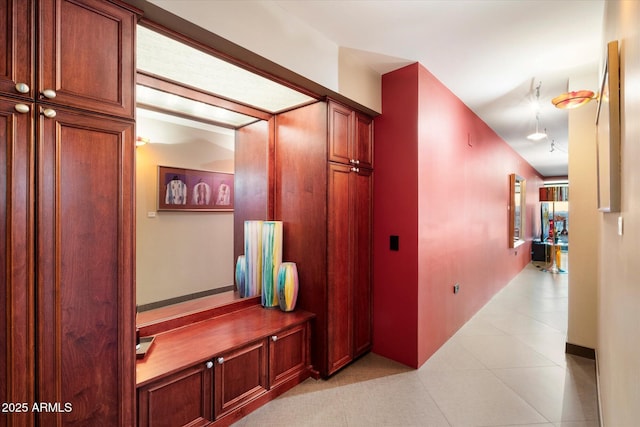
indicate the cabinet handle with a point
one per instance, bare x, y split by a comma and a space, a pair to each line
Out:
209, 364
274, 338
22, 88
355, 169
22, 108
220, 360
49, 93
49, 113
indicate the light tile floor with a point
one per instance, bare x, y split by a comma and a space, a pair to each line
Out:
505, 367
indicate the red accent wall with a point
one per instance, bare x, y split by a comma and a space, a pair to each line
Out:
442, 186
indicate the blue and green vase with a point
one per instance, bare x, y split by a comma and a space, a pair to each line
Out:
241, 276
271, 260
287, 286
253, 257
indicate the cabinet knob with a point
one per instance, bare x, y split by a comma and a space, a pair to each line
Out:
49, 93
49, 113
355, 169
22, 108
22, 88
274, 338
209, 364
220, 360
354, 161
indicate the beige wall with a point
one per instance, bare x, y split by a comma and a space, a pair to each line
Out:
180, 253
619, 260
584, 217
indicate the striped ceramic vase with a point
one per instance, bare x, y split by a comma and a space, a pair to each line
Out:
253, 257
241, 276
271, 260
287, 286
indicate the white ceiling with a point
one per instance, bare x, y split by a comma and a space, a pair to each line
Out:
490, 53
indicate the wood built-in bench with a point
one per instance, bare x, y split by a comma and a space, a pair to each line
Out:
214, 365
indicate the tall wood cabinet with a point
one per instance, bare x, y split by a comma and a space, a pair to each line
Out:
66, 168
324, 177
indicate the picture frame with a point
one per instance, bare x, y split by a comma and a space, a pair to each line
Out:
608, 133
181, 189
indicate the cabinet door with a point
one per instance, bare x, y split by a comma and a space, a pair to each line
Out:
340, 134
16, 46
240, 376
363, 141
86, 55
362, 223
340, 238
288, 354
84, 268
181, 399
16, 263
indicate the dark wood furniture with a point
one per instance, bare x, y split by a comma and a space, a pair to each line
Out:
216, 371
66, 168
324, 173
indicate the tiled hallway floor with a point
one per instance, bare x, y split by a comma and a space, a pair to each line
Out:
505, 367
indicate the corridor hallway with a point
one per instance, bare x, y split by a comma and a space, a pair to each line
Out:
505, 367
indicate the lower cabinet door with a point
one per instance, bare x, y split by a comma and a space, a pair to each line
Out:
240, 376
184, 398
288, 354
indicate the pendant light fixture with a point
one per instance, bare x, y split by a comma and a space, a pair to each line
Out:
537, 135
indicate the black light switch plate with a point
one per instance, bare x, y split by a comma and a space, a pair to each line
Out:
394, 243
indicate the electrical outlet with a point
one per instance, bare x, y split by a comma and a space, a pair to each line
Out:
456, 288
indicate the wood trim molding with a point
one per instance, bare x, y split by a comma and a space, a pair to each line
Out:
578, 350
165, 85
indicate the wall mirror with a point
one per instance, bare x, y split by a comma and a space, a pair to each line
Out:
198, 112
517, 191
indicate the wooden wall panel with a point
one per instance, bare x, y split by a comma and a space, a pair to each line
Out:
253, 179
301, 203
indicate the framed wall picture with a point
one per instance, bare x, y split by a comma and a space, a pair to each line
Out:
194, 190
608, 133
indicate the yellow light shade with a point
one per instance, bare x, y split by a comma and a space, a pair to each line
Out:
573, 99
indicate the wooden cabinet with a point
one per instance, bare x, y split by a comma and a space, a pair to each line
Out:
17, 360
350, 136
180, 399
84, 265
240, 376
288, 354
84, 54
67, 171
325, 202
256, 354
16, 47
349, 261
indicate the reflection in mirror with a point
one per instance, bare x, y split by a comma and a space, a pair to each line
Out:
517, 191
180, 253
